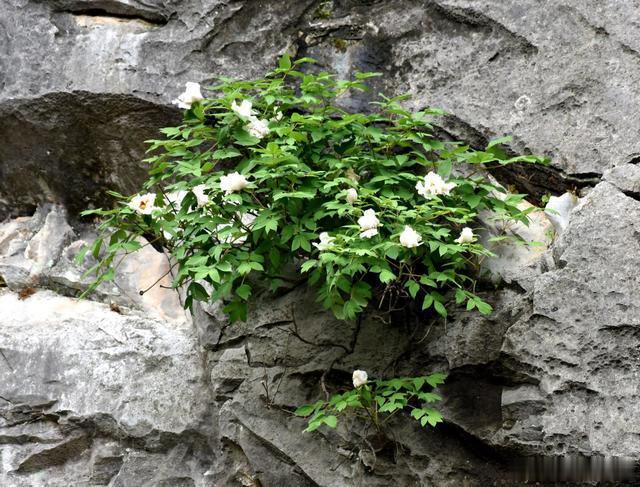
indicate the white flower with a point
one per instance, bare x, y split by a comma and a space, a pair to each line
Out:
244, 110
246, 220
368, 224
326, 241
174, 199
359, 378
143, 204
257, 128
466, 236
200, 195
352, 195
433, 185
191, 95
233, 182
410, 238
278, 115
372, 232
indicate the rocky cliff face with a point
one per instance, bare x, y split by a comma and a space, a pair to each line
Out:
127, 391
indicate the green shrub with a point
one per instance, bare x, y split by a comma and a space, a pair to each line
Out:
377, 401
271, 173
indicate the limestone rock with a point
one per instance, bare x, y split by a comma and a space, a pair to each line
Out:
579, 344
75, 119
91, 396
88, 393
41, 251
626, 178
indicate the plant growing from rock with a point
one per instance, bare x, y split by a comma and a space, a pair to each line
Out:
376, 402
272, 173
268, 173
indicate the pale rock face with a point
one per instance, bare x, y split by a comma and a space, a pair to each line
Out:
120, 373
40, 251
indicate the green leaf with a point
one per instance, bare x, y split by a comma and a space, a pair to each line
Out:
418, 413
236, 310
387, 276
305, 411
429, 397
284, 62
242, 137
226, 153
444, 168
413, 287
331, 421
244, 291
499, 141
310, 264
484, 308
432, 417
418, 382
198, 292
440, 309
434, 380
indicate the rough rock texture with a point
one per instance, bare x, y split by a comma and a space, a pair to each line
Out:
41, 252
560, 76
89, 396
579, 345
130, 392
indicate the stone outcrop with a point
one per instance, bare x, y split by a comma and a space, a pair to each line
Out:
561, 77
126, 390
90, 396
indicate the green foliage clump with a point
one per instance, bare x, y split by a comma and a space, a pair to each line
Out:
267, 174
378, 401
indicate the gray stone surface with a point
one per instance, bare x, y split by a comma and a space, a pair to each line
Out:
93, 397
89, 396
560, 76
41, 252
626, 178
580, 343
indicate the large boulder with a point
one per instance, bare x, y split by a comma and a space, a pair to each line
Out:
92, 396
42, 251
578, 346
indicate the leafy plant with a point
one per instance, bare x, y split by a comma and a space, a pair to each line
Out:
267, 174
376, 402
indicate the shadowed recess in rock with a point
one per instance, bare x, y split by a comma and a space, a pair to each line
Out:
69, 148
